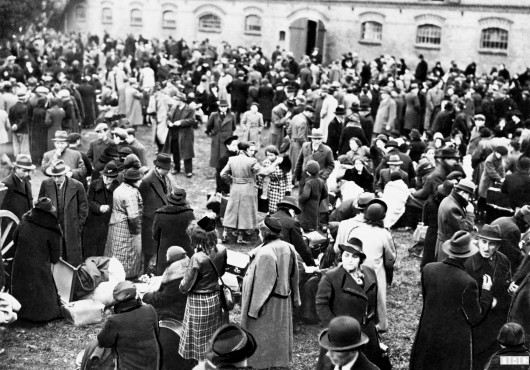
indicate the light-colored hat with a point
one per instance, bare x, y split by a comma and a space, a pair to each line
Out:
57, 168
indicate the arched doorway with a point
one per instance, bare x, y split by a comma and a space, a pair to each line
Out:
305, 34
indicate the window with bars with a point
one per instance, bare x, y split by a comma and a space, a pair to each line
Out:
106, 16
136, 17
371, 31
169, 20
253, 24
429, 34
210, 23
80, 13
494, 38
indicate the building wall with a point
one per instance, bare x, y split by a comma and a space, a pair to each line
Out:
461, 23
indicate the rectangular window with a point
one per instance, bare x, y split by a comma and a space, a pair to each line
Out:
429, 34
210, 23
371, 31
494, 38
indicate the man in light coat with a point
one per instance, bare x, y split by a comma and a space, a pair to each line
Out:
133, 103
71, 158
298, 131
385, 118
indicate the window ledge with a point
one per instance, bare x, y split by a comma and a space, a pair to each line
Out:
136, 25
169, 27
493, 52
209, 30
370, 42
253, 33
427, 46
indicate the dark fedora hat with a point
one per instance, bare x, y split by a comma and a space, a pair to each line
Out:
223, 103
490, 232
355, 107
291, 203
353, 246
57, 168
177, 197
163, 160
207, 223
392, 143
132, 174
124, 291
45, 204
110, 170
231, 344
343, 334
340, 110
459, 246
24, 161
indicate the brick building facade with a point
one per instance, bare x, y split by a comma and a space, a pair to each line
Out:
488, 32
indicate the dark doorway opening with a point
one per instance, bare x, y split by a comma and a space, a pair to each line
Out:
311, 36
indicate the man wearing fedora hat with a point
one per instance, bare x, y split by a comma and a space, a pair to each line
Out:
97, 147
344, 340
291, 229
317, 151
489, 261
71, 158
452, 305
155, 188
221, 126
385, 118
392, 149
180, 139
455, 213
335, 129
69, 198
18, 198
394, 162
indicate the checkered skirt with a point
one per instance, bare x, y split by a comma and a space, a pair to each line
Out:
203, 316
125, 247
280, 183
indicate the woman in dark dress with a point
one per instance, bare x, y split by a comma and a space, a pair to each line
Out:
33, 285
265, 95
360, 175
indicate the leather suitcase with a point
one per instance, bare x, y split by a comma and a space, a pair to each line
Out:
317, 242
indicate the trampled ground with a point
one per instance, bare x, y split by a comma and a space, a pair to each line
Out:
55, 345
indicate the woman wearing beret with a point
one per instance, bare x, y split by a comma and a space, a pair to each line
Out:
351, 290
204, 312
270, 289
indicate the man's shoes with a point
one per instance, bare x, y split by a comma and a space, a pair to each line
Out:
189, 175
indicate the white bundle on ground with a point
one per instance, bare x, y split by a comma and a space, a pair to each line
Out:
103, 292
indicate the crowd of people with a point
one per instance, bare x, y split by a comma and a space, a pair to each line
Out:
355, 149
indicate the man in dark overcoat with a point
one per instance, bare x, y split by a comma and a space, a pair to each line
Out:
170, 227
221, 126
291, 229
69, 198
238, 89
154, 189
489, 261
88, 97
180, 138
18, 198
392, 149
452, 305
231, 146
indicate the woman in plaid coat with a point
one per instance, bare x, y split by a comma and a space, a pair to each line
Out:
204, 314
280, 178
124, 240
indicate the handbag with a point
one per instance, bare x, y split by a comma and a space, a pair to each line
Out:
419, 233
226, 294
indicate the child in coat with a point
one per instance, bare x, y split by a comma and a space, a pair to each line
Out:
309, 199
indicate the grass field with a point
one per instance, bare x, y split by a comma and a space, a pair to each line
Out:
55, 345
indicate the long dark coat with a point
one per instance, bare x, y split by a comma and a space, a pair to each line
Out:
97, 223
334, 135
430, 219
220, 131
75, 214
180, 139
169, 229
323, 156
518, 311
292, 234
451, 306
413, 116
88, 97
134, 336
265, 95
37, 242
19, 198
39, 134
239, 94
485, 334
154, 197
339, 295
313, 192
347, 133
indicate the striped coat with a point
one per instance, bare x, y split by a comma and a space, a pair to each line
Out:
124, 240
